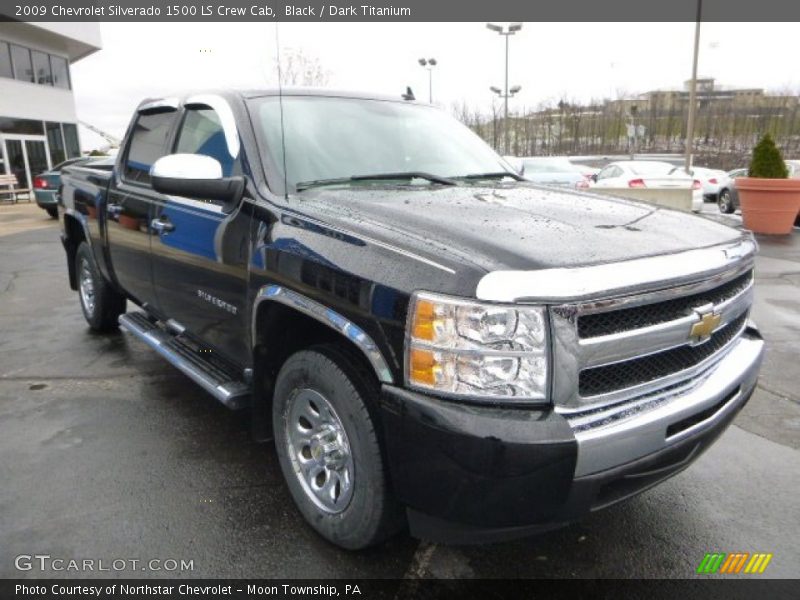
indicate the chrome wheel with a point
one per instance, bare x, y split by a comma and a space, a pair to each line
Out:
724, 202
319, 450
86, 286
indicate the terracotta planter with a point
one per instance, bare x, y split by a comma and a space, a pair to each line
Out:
769, 205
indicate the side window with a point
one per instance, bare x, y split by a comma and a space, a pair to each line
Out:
202, 133
605, 173
148, 144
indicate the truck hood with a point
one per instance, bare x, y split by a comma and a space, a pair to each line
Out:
510, 226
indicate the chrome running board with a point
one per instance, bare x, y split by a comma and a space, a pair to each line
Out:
211, 372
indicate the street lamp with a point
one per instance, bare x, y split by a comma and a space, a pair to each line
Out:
506, 31
514, 90
429, 64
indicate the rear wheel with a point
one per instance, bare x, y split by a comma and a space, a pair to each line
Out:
52, 211
328, 448
101, 304
725, 202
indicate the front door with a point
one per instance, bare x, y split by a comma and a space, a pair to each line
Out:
129, 207
200, 254
27, 157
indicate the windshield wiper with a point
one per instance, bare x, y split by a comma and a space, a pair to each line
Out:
495, 175
404, 175
304, 185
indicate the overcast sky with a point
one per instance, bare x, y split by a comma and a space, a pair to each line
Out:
549, 60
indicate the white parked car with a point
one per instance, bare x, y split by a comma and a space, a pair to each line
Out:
714, 182
793, 166
648, 174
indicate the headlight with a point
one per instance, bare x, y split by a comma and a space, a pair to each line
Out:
484, 351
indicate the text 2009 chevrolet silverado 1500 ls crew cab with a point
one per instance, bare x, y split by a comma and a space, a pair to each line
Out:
429, 340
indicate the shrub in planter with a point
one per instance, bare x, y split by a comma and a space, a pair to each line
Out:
770, 202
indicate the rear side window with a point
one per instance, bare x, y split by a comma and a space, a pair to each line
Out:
148, 144
202, 133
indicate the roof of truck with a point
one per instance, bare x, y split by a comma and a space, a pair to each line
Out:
311, 91
287, 91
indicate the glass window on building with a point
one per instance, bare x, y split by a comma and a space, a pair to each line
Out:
23, 126
71, 145
60, 70
41, 67
55, 142
5, 61
23, 68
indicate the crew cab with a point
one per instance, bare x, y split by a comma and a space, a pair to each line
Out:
430, 341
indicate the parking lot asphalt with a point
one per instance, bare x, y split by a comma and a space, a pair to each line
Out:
110, 453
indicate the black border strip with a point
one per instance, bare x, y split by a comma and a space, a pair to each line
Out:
401, 10
743, 587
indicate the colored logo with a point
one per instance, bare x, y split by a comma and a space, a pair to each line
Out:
709, 321
734, 563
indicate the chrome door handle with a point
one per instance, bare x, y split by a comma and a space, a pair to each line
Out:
114, 209
161, 226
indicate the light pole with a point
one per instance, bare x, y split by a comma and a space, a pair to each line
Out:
693, 91
506, 31
510, 93
429, 64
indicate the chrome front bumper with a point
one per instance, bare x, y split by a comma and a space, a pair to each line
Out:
675, 415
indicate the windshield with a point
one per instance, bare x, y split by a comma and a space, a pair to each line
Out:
335, 138
651, 168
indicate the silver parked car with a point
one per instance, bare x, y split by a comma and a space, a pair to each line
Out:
551, 170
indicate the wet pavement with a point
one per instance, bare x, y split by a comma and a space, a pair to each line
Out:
110, 453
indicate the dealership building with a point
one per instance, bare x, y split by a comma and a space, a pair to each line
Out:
38, 123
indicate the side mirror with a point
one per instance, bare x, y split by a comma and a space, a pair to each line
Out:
593, 177
196, 176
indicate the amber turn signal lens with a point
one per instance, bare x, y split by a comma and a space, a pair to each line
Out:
424, 316
422, 367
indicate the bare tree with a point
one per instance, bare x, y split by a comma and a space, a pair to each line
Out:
727, 126
299, 69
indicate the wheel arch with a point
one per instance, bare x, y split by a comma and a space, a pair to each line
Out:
284, 322
74, 234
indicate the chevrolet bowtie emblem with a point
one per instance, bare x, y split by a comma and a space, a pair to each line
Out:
709, 321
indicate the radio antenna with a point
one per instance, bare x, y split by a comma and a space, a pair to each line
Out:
280, 103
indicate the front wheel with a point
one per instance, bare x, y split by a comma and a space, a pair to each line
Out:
101, 304
725, 202
328, 448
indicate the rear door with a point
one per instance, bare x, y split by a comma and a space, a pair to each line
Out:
130, 204
200, 254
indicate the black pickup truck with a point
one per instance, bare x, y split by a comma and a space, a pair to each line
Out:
430, 341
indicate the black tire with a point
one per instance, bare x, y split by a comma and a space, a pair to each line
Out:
371, 514
725, 202
52, 211
103, 306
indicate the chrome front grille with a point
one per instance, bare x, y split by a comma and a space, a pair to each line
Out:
618, 351
606, 323
638, 371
